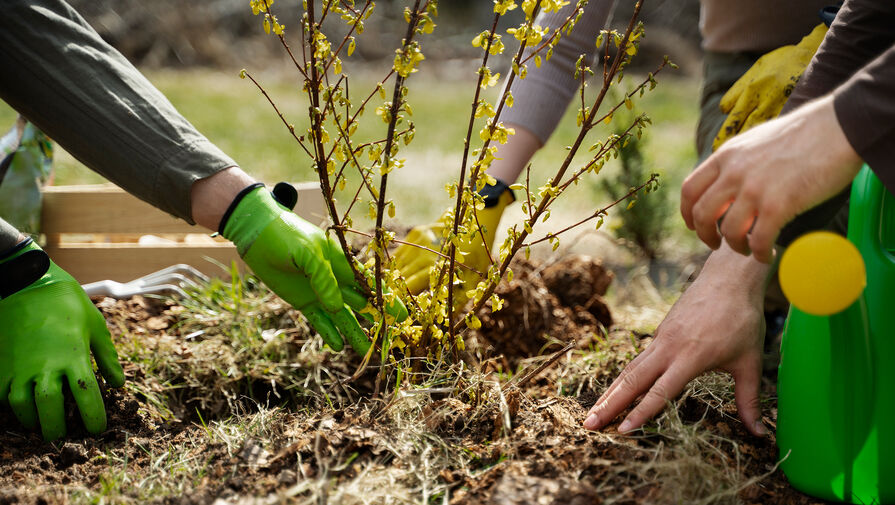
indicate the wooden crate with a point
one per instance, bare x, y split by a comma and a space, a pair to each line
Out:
98, 232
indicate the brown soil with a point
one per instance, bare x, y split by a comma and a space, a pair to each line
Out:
546, 307
516, 446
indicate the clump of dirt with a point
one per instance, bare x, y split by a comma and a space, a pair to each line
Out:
580, 282
545, 307
138, 315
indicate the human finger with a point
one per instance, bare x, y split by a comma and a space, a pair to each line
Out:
50, 411
350, 329
711, 206
105, 354
320, 321
323, 280
736, 223
85, 391
663, 390
764, 236
747, 383
338, 263
406, 253
21, 401
730, 98
736, 117
629, 368
766, 109
422, 262
631, 385
695, 185
353, 299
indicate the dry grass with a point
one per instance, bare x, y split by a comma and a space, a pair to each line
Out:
242, 413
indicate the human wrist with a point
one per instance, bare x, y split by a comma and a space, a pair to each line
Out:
841, 148
737, 271
211, 197
512, 157
24, 245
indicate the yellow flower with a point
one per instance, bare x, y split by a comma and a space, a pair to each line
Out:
503, 6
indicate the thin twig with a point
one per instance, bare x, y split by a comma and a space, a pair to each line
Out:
530, 375
596, 214
411, 244
289, 126
383, 185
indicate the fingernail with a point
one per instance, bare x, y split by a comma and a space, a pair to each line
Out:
591, 422
760, 428
625, 426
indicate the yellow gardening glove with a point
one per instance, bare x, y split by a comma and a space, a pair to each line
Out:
761, 92
415, 262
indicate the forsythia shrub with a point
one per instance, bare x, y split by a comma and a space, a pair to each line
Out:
435, 329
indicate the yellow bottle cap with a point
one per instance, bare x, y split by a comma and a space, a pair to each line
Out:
822, 273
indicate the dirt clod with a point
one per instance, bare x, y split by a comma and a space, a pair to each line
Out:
535, 320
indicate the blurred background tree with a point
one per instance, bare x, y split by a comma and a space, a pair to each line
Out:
223, 33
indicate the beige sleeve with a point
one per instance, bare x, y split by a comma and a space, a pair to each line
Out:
542, 97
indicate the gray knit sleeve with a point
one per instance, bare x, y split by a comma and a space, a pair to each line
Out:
542, 97
64, 78
9, 236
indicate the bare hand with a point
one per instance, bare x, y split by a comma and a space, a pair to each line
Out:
763, 178
716, 324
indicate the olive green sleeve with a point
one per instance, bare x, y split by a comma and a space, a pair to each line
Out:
9, 236
84, 94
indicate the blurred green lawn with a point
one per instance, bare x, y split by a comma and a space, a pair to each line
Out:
236, 116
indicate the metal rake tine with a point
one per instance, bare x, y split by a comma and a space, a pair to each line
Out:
180, 269
156, 278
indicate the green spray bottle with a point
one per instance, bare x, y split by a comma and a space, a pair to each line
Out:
836, 381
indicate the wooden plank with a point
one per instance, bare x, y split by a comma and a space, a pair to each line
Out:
126, 262
108, 209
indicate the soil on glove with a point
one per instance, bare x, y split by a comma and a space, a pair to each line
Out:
512, 443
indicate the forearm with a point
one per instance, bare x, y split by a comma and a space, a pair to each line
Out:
65, 79
513, 156
866, 112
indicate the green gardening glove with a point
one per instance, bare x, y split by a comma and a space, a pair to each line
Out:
302, 265
48, 328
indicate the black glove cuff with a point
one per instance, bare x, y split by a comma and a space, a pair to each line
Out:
23, 270
491, 194
14, 249
284, 193
242, 194
828, 13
